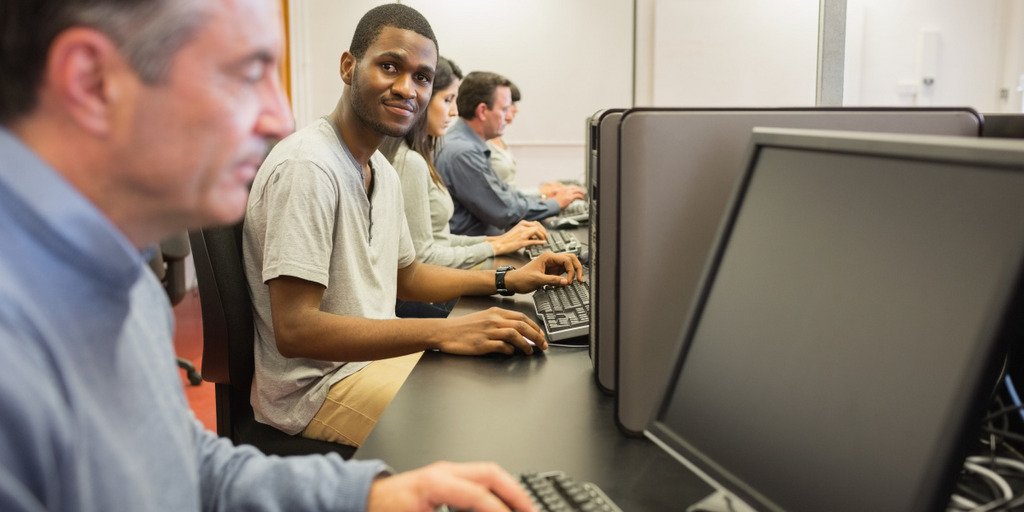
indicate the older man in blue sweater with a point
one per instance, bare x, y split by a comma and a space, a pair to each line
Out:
124, 121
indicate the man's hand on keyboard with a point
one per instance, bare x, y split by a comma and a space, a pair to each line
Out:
567, 194
479, 486
545, 270
495, 330
524, 234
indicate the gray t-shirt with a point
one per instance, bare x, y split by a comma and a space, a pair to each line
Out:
309, 217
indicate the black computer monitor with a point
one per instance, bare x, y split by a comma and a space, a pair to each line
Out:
850, 323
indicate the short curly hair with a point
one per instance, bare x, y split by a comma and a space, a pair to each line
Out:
388, 15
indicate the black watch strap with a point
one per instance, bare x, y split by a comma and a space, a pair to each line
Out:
499, 280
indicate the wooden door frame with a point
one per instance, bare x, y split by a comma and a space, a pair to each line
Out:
286, 61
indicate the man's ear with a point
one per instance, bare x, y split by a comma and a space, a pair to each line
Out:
481, 111
348, 66
82, 76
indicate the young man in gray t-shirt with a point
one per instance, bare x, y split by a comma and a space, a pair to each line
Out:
327, 251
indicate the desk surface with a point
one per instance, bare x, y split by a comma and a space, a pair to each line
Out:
528, 413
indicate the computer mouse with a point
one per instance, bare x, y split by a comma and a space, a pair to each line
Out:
584, 257
519, 352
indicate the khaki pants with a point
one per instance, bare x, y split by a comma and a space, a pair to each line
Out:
355, 403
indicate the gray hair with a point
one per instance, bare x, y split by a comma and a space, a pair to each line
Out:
148, 32
148, 35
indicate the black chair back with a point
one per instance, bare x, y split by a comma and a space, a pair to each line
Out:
228, 338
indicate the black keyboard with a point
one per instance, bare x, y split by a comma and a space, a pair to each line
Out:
576, 213
556, 491
564, 311
558, 241
576, 207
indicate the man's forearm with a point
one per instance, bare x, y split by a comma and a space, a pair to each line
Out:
329, 337
302, 329
432, 283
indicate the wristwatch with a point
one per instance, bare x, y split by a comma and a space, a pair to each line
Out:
499, 280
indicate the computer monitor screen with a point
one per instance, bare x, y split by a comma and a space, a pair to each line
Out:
850, 321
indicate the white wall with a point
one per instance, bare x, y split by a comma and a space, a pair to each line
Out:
885, 52
573, 57
980, 57
321, 31
724, 54
1011, 75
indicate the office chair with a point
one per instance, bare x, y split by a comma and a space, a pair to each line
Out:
228, 338
168, 263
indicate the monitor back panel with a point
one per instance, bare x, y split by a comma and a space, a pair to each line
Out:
603, 180
679, 168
